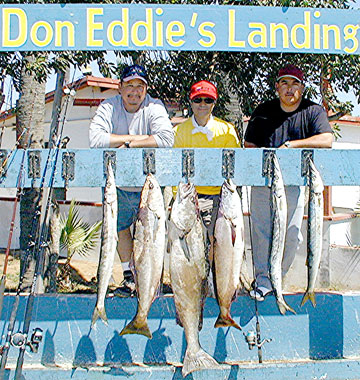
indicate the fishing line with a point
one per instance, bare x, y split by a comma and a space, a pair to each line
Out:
257, 322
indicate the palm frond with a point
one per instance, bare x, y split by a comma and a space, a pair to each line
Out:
77, 236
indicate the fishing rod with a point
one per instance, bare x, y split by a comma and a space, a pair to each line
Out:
19, 187
10, 153
253, 338
20, 339
42, 243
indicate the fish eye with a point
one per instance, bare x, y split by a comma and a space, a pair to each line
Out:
151, 185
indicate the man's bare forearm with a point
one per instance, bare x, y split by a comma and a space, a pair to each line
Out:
136, 141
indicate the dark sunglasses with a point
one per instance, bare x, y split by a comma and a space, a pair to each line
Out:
206, 100
133, 70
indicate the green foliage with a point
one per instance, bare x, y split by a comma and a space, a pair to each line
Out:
77, 236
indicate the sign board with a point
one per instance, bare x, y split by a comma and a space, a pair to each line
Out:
32, 27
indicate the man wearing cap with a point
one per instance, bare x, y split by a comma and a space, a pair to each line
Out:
132, 119
289, 121
203, 130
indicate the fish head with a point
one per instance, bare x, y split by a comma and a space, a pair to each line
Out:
315, 178
229, 198
151, 193
185, 208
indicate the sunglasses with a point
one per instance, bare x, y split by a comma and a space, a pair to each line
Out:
206, 100
133, 70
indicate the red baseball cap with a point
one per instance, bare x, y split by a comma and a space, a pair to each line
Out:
203, 88
291, 71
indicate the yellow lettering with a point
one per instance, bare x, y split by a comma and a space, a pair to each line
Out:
92, 26
207, 33
175, 29
48, 33
326, 30
59, 25
124, 25
261, 33
159, 33
147, 25
7, 41
350, 32
317, 33
306, 28
232, 42
285, 34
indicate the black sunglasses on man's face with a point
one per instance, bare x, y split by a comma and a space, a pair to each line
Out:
206, 100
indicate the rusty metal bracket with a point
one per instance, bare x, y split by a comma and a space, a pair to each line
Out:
68, 167
306, 155
188, 167
267, 164
228, 163
3, 160
34, 161
109, 155
149, 161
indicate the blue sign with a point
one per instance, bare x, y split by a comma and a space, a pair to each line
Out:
178, 27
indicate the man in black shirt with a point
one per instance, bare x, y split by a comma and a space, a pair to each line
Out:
290, 121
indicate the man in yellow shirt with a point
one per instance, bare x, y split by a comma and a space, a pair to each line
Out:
203, 130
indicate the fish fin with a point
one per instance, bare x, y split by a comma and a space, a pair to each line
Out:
99, 313
197, 361
185, 246
137, 328
226, 321
283, 307
233, 234
309, 296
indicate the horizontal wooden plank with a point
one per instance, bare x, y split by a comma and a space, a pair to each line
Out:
338, 167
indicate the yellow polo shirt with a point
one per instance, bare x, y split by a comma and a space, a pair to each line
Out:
224, 136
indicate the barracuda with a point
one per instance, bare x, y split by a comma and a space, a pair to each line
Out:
314, 231
108, 245
279, 223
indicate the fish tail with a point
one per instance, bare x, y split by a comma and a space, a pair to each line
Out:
309, 296
134, 327
99, 313
197, 361
283, 307
226, 321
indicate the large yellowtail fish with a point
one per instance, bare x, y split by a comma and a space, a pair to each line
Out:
229, 246
189, 270
148, 253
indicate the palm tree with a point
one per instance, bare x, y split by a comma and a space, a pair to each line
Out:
77, 237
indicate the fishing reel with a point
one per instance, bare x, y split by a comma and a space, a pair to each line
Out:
252, 340
19, 340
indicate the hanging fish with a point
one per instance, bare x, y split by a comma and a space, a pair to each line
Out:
148, 253
229, 247
314, 231
279, 225
109, 239
189, 270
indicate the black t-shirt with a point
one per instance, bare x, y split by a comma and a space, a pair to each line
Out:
270, 126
